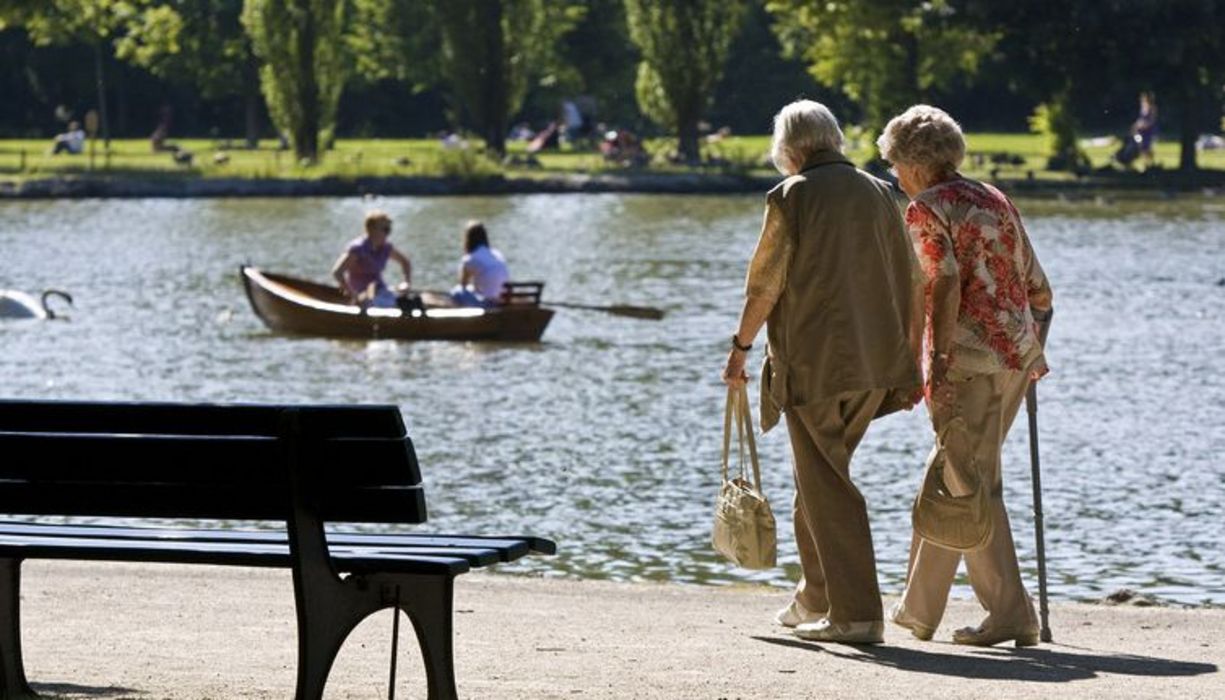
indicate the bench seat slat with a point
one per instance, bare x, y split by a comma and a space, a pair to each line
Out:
391, 504
230, 553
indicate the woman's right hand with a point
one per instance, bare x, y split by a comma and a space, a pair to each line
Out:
733, 370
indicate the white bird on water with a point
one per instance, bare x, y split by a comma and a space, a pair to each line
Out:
17, 305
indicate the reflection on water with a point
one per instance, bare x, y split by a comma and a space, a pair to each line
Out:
606, 435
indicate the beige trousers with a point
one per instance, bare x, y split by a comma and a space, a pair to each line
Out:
988, 403
831, 517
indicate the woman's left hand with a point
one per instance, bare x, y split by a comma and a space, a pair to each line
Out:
733, 370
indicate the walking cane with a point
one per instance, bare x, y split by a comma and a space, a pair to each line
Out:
1031, 407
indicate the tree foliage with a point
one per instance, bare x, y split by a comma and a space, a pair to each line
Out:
684, 45
96, 23
1174, 48
491, 51
395, 40
484, 53
201, 43
301, 44
884, 54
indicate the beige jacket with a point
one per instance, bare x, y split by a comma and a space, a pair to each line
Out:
835, 257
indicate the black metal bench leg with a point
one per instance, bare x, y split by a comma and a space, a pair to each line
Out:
427, 601
13, 682
326, 615
329, 610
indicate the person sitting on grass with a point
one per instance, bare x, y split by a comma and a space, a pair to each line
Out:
71, 141
359, 270
482, 270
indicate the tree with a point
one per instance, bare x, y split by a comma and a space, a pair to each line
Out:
597, 59
491, 49
684, 44
304, 66
485, 53
201, 43
884, 54
1174, 48
60, 22
1179, 52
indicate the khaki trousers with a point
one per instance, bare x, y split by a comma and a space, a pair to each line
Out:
988, 403
831, 517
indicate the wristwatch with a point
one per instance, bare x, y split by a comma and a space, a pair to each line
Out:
736, 344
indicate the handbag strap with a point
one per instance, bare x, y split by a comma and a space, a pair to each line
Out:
746, 422
728, 409
737, 409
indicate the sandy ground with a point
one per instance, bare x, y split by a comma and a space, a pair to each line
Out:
97, 630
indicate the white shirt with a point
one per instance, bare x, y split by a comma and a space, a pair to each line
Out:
488, 269
75, 141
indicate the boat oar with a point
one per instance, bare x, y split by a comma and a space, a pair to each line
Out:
643, 312
1031, 407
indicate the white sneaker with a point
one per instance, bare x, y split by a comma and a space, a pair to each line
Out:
844, 632
796, 614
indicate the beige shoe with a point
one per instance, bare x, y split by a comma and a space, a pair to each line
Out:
843, 632
983, 637
897, 615
796, 614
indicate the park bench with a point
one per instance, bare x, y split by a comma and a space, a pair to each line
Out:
300, 466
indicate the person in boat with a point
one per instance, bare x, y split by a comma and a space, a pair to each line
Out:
482, 270
835, 281
359, 270
984, 294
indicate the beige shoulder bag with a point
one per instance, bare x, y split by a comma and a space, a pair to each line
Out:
744, 530
954, 518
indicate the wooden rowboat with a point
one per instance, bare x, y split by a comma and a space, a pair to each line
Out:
291, 305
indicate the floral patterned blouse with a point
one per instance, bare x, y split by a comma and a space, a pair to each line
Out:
970, 233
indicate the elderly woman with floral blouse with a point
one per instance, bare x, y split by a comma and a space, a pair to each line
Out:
984, 290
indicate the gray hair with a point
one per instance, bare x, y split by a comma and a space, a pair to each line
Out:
926, 137
801, 129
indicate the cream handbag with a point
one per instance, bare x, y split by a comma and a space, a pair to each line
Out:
958, 521
744, 529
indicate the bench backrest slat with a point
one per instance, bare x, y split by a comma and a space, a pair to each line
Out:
387, 504
237, 460
355, 464
195, 419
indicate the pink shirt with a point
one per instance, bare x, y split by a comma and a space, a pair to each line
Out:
367, 265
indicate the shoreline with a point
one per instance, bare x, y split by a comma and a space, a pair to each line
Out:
119, 630
1164, 185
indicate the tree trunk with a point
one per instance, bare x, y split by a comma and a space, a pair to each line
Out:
251, 98
495, 118
102, 120
1189, 132
687, 139
306, 130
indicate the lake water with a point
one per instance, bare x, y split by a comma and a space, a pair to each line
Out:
606, 435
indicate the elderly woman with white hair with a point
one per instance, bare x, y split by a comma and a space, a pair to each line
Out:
835, 280
984, 290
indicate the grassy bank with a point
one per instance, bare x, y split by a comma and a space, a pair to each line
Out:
992, 156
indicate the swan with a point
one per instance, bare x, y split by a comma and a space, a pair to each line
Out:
15, 304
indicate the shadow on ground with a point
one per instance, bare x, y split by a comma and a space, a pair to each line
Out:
1048, 664
49, 691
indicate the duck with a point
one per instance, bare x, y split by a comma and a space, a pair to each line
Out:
17, 305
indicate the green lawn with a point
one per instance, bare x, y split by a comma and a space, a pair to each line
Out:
28, 159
